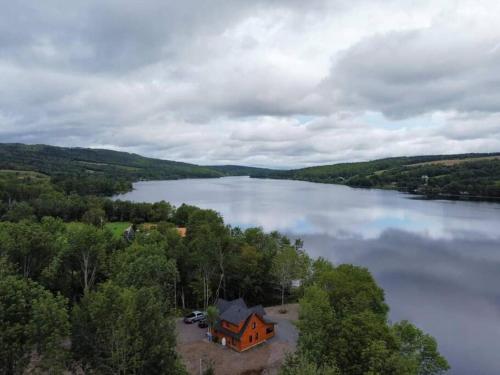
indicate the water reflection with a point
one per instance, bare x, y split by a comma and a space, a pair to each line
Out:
438, 261
449, 287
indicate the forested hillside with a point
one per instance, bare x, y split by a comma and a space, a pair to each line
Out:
239, 170
104, 172
464, 175
94, 171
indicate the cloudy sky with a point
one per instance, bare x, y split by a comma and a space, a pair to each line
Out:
280, 83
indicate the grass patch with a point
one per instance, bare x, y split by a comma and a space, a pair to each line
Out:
22, 174
452, 162
117, 227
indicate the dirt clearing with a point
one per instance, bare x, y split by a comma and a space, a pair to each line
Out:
266, 358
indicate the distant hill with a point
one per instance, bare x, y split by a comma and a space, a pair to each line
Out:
94, 171
53, 160
239, 170
472, 175
106, 172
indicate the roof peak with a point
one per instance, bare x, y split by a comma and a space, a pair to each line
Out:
236, 310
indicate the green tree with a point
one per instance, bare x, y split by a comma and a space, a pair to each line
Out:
20, 211
95, 216
300, 365
146, 266
316, 325
420, 349
31, 320
249, 271
208, 238
379, 359
161, 211
28, 245
81, 259
352, 290
120, 330
285, 268
355, 335
212, 315
183, 213
343, 323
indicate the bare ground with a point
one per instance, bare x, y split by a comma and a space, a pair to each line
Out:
292, 311
263, 359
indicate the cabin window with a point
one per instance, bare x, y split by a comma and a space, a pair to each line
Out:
251, 338
254, 325
269, 330
257, 336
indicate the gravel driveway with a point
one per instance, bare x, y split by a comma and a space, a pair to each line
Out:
286, 332
263, 359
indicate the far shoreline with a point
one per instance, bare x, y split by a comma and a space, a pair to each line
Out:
411, 195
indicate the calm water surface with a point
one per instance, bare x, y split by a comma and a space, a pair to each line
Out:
438, 261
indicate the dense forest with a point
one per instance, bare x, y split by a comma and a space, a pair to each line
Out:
76, 295
97, 172
238, 170
94, 171
464, 175
104, 172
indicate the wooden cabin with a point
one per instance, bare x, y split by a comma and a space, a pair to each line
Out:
242, 327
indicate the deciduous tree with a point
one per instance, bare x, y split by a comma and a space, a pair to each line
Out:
120, 330
32, 320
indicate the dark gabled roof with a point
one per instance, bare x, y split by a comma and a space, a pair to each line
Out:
236, 311
235, 314
258, 310
223, 305
218, 327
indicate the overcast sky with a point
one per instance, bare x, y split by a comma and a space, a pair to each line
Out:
279, 83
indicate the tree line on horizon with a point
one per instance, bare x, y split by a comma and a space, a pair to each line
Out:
97, 172
455, 176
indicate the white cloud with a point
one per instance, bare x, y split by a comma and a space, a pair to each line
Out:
282, 83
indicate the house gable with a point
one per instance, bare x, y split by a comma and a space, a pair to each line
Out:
245, 328
256, 331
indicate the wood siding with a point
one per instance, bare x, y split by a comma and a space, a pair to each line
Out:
256, 332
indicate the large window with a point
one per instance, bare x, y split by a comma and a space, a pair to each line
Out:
254, 325
269, 330
251, 338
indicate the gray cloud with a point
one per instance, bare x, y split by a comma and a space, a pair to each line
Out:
443, 67
281, 83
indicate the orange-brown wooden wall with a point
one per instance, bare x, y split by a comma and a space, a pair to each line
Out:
256, 330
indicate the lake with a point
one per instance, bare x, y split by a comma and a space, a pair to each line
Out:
438, 261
